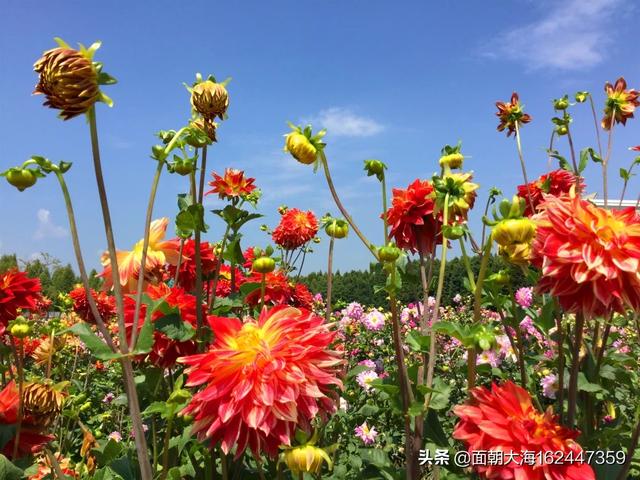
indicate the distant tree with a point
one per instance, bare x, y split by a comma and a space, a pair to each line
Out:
95, 281
62, 281
7, 262
37, 269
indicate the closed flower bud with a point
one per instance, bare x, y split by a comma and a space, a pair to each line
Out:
581, 97
561, 103
20, 329
306, 459
452, 232
264, 265
21, 178
374, 167
182, 167
562, 130
210, 99
299, 146
42, 402
207, 128
337, 228
514, 230
453, 160
68, 80
389, 253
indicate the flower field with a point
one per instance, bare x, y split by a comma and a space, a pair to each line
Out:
192, 355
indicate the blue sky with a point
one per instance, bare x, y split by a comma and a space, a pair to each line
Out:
389, 80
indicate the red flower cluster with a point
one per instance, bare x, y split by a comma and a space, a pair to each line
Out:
279, 291
31, 439
261, 380
105, 303
187, 273
233, 185
589, 256
556, 183
411, 217
503, 419
17, 291
165, 350
296, 228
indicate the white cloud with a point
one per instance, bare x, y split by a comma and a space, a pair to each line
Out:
46, 227
572, 35
344, 122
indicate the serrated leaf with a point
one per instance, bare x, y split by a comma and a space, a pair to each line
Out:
8, 471
98, 348
174, 327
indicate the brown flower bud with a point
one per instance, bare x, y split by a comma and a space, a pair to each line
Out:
210, 99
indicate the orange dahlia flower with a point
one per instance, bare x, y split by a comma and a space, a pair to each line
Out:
503, 419
411, 217
187, 274
233, 185
17, 291
159, 253
620, 103
556, 183
279, 291
262, 379
31, 440
589, 256
296, 228
165, 350
511, 113
105, 303
223, 289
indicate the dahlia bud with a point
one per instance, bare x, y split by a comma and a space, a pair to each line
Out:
70, 80
453, 160
263, 265
514, 230
20, 328
453, 232
22, 178
389, 253
581, 97
337, 228
484, 338
375, 167
562, 130
179, 396
182, 166
42, 401
303, 145
206, 133
500, 278
210, 99
561, 103
517, 253
306, 459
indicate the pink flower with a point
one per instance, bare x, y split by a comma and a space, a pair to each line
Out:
374, 320
115, 436
366, 434
549, 385
368, 363
524, 297
365, 378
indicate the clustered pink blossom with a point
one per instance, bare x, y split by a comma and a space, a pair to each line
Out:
524, 297
366, 434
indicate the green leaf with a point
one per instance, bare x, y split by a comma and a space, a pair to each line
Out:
107, 452
586, 386
7, 432
624, 174
191, 219
433, 429
123, 466
233, 251
144, 343
594, 156
416, 409
8, 471
173, 327
584, 159
97, 347
247, 288
418, 342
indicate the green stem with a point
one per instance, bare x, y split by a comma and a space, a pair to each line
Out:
522, 164
605, 162
75, 239
573, 158
263, 286
575, 370
595, 123
384, 208
127, 368
467, 265
175, 279
477, 307
198, 256
165, 448
224, 466
329, 280
145, 248
19, 356
216, 274
344, 212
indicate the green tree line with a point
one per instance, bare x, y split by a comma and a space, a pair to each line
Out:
361, 285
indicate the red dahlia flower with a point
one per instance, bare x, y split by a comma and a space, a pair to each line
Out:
223, 289
233, 185
511, 113
165, 350
590, 256
620, 103
556, 183
105, 303
295, 229
503, 419
187, 274
301, 296
263, 379
411, 217
31, 440
17, 291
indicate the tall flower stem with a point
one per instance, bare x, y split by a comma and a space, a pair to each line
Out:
385, 222
165, 448
605, 161
198, 255
75, 240
216, 274
522, 164
147, 233
19, 351
561, 362
180, 250
145, 248
573, 158
263, 285
345, 214
477, 307
329, 279
575, 369
595, 123
630, 452
127, 367
467, 265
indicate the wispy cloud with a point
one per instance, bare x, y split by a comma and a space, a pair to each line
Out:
344, 122
47, 228
572, 35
